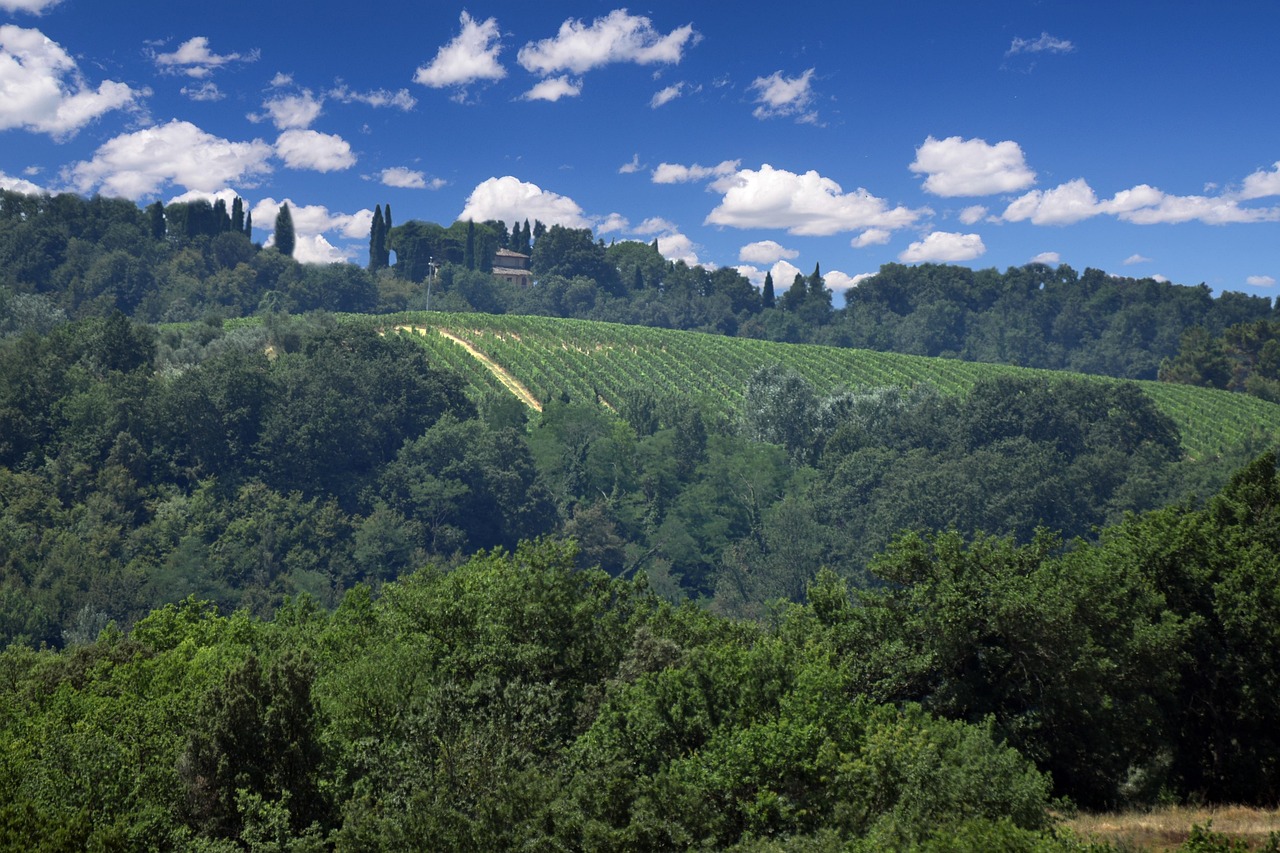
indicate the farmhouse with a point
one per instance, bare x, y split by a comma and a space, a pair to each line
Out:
512, 267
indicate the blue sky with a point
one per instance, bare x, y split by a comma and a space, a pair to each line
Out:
1141, 138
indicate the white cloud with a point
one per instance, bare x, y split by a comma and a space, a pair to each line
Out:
194, 59
553, 89
226, 195
206, 91
1260, 281
630, 168
617, 37
42, 90
471, 56
870, 237
667, 95
765, 252
1262, 183
1163, 279
973, 214
510, 200
807, 204
1136, 259
1045, 44
842, 282
675, 246
1048, 258
968, 167
19, 185
944, 246
139, 164
287, 112
400, 99
674, 173
780, 96
784, 275
1142, 205
612, 223
35, 7
310, 149
310, 224
403, 177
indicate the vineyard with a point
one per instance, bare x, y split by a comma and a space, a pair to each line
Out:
599, 361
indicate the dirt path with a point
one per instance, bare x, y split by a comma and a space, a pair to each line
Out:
509, 382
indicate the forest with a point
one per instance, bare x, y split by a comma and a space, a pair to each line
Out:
290, 583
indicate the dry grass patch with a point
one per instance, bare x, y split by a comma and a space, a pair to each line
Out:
1166, 829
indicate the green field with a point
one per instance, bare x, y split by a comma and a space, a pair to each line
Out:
591, 360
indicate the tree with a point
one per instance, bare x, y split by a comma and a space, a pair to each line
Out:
378, 255
284, 231
768, 299
237, 215
469, 248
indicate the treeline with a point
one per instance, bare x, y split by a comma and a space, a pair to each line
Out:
517, 701
65, 256
302, 455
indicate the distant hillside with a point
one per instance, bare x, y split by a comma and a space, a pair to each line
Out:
592, 360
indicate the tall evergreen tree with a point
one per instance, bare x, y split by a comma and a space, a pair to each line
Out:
237, 215
248, 224
285, 238
469, 250
386, 219
796, 293
221, 219
768, 299
155, 217
377, 239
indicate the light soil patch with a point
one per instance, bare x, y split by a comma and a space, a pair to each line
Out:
1165, 829
508, 381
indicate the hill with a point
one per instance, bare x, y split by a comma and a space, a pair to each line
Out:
591, 360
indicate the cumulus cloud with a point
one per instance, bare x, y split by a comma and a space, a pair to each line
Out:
35, 7
553, 89
310, 149
470, 57
19, 185
781, 96
1136, 259
973, 214
1048, 258
617, 37
674, 173
42, 89
631, 167
1260, 281
140, 164
969, 167
1262, 183
194, 59
226, 195
807, 204
287, 112
870, 237
1075, 201
675, 246
840, 282
510, 200
400, 99
944, 246
404, 178
1045, 44
614, 222
765, 252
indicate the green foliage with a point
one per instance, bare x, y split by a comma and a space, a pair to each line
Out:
284, 236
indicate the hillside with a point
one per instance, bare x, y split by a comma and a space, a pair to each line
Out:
590, 360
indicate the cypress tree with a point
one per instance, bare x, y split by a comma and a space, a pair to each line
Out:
248, 224
237, 214
155, 217
386, 219
284, 231
768, 299
469, 251
527, 239
221, 219
377, 239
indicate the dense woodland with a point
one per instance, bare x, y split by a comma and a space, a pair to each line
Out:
284, 585
68, 257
